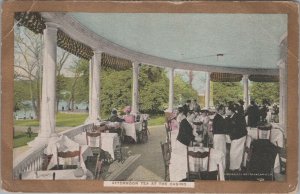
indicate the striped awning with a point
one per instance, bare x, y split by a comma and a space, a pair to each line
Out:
72, 46
109, 61
225, 77
34, 22
264, 78
31, 20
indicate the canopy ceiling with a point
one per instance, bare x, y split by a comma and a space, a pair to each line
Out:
244, 40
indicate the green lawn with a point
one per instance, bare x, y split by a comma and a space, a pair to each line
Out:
156, 120
21, 138
73, 120
62, 120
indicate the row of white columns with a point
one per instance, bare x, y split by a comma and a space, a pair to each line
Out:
47, 126
207, 90
47, 119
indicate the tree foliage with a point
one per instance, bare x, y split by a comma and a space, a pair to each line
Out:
183, 91
264, 90
153, 90
115, 89
224, 92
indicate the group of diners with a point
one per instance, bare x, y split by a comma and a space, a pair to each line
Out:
124, 123
214, 128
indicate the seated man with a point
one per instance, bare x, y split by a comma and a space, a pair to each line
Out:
115, 118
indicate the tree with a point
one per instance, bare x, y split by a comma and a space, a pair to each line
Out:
153, 90
264, 90
28, 51
223, 92
80, 82
183, 91
115, 89
60, 78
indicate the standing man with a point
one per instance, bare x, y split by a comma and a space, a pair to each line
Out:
219, 130
253, 114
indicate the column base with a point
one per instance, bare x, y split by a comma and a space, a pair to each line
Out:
41, 141
169, 110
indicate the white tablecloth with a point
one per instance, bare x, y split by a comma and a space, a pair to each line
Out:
277, 136
131, 128
64, 144
109, 141
178, 163
48, 175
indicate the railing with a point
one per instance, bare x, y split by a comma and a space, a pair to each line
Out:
71, 133
33, 159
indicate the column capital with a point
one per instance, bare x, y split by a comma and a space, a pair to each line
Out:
51, 25
97, 52
281, 64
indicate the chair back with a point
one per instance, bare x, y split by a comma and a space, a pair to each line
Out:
198, 157
199, 171
166, 153
264, 132
168, 133
68, 154
262, 160
93, 135
247, 152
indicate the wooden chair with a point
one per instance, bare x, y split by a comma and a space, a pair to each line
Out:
246, 154
261, 163
264, 132
69, 154
168, 133
95, 150
98, 168
166, 153
200, 174
144, 132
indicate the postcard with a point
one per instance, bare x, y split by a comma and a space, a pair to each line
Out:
149, 96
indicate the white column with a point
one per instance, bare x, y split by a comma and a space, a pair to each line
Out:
90, 87
171, 90
48, 101
207, 90
246, 90
135, 87
282, 93
95, 68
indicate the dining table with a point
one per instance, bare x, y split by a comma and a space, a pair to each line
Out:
178, 163
131, 129
109, 142
63, 144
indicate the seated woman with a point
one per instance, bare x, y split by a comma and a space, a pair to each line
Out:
128, 118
